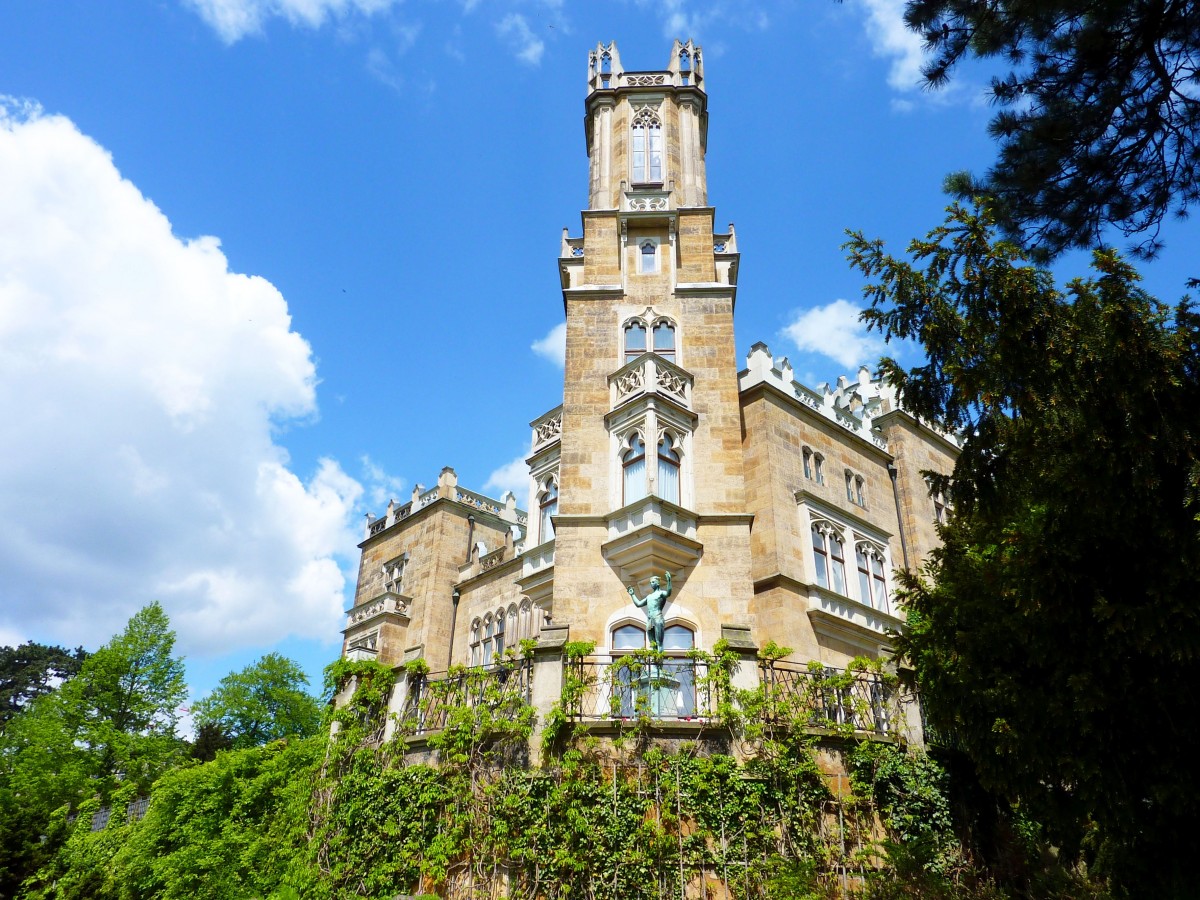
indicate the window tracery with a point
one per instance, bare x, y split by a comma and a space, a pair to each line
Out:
646, 153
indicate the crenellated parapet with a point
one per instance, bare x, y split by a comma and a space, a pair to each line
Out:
447, 488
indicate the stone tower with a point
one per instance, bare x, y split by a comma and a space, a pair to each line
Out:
649, 465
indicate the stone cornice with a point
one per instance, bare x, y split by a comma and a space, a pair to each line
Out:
823, 506
748, 394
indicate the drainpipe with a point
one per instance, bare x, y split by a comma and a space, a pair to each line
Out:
899, 518
453, 620
470, 536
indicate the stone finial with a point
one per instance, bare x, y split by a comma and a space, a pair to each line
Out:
418, 490
448, 478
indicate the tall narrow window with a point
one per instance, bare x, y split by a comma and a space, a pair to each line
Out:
633, 465
649, 258
859, 493
475, 647
685, 66
879, 583
664, 340
806, 455
837, 563
668, 470
820, 557
488, 633
819, 467
829, 557
548, 509
635, 340
499, 633
864, 574
849, 486
647, 148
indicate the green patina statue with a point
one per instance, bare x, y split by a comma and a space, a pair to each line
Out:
653, 603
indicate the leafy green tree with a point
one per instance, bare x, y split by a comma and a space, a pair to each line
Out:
1099, 114
1054, 633
264, 702
30, 670
111, 725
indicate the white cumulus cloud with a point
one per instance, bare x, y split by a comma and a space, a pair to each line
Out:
553, 346
527, 46
833, 330
235, 19
891, 39
140, 380
512, 476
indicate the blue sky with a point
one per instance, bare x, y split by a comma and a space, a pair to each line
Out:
266, 263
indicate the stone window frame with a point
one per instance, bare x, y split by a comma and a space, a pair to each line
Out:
649, 320
653, 422
872, 581
853, 535
648, 263
547, 498
646, 120
677, 661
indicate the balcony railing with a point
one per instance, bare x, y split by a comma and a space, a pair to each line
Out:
829, 698
677, 689
430, 698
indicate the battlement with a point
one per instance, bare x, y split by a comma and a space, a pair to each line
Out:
685, 68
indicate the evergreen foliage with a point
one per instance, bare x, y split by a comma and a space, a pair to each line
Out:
1052, 632
31, 670
1100, 112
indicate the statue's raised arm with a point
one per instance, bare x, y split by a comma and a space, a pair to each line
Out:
634, 597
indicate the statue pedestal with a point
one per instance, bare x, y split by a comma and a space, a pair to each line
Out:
658, 693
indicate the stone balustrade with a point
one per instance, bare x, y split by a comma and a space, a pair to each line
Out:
650, 374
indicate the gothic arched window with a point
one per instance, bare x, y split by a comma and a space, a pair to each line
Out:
633, 468
647, 148
829, 557
635, 340
547, 509
668, 469
664, 339
648, 257
872, 583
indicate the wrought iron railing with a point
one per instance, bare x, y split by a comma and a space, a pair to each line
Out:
823, 697
430, 698
674, 689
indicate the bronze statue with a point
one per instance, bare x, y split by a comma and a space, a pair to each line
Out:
653, 603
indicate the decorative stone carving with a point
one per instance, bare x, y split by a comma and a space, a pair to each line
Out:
642, 204
670, 383
631, 382
645, 80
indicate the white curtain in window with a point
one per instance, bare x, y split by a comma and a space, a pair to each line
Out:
634, 465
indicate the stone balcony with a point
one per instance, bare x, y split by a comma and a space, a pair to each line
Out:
646, 375
547, 429
651, 536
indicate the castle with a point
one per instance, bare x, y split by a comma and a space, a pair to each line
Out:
781, 512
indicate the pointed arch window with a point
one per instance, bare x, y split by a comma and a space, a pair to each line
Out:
668, 469
489, 632
647, 148
807, 456
547, 509
648, 257
633, 469
685, 65
499, 634
829, 557
872, 583
476, 650
635, 340
664, 340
